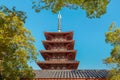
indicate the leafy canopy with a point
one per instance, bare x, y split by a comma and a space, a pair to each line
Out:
16, 45
93, 8
113, 38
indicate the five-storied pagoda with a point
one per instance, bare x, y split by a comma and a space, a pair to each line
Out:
59, 53
59, 56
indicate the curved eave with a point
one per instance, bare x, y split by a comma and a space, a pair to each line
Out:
44, 64
67, 41
58, 62
58, 33
51, 51
44, 53
53, 33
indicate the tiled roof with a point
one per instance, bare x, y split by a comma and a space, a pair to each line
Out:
71, 73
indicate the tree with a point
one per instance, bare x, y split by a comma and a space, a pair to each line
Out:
93, 8
113, 38
16, 45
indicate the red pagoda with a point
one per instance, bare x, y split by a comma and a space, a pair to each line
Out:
59, 53
60, 63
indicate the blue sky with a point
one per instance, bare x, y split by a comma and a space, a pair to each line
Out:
89, 34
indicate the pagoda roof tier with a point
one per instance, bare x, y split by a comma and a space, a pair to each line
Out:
70, 32
67, 41
69, 54
50, 44
51, 35
66, 64
61, 51
58, 62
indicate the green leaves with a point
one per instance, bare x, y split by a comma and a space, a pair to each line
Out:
113, 38
93, 8
16, 45
13, 12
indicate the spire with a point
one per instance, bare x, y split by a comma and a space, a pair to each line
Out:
59, 22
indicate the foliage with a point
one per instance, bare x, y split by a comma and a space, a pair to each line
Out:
93, 8
113, 38
16, 45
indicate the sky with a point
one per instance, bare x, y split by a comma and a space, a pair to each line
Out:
89, 34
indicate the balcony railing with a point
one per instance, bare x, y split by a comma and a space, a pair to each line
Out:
58, 49
58, 39
58, 59
58, 67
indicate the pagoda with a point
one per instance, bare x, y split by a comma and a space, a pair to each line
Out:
59, 53
60, 63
